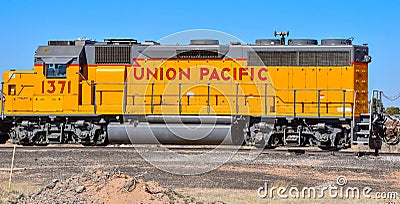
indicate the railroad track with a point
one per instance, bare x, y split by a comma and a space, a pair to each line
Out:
196, 149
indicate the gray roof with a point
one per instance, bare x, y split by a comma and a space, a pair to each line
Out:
58, 54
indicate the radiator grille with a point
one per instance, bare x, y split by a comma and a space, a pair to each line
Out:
195, 54
272, 58
113, 55
324, 58
300, 58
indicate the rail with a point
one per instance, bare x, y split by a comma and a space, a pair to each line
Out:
14, 73
370, 112
266, 93
2, 101
84, 78
353, 121
238, 101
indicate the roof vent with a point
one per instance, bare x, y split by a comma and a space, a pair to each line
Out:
84, 41
335, 42
150, 42
204, 42
268, 42
60, 43
302, 42
120, 41
236, 43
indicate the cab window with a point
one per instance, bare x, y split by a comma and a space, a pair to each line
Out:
56, 70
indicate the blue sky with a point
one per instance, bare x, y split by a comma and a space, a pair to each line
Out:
27, 24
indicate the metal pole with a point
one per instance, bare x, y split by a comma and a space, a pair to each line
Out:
265, 99
62, 131
208, 98
180, 98
152, 97
294, 103
299, 130
12, 167
344, 103
237, 98
125, 97
380, 102
94, 98
274, 102
2, 101
284, 136
319, 103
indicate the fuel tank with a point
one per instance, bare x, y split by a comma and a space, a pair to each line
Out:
155, 129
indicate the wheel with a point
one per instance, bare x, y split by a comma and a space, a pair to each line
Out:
4, 138
376, 153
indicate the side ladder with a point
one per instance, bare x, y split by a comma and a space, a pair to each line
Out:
368, 127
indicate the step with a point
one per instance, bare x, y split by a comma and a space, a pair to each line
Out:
53, 136
364, 115
363, 124
360, 143
361, 140
362, 132
53, 142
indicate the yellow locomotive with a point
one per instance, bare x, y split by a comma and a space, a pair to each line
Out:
122, 91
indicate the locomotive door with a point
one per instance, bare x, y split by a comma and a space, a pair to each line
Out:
109, 89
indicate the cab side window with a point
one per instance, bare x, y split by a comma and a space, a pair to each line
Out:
56, 70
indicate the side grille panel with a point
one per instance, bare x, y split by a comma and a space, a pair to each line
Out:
113, 55
300, 58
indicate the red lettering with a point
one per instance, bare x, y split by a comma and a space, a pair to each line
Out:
162, 74
242, 72
151, 74
135, 74
214, 75
168, 73
53, 87
203, 72
223, 74
260, 74
182, 73
234, 74
252, 73
62, 83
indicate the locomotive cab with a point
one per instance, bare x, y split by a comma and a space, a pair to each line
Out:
46, 102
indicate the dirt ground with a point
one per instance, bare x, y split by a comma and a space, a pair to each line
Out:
236, 181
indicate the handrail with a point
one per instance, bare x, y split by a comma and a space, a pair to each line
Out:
2, 100
80, 74
236, 94
354, 109
370, 111
266, 99
217, 83
14, 73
